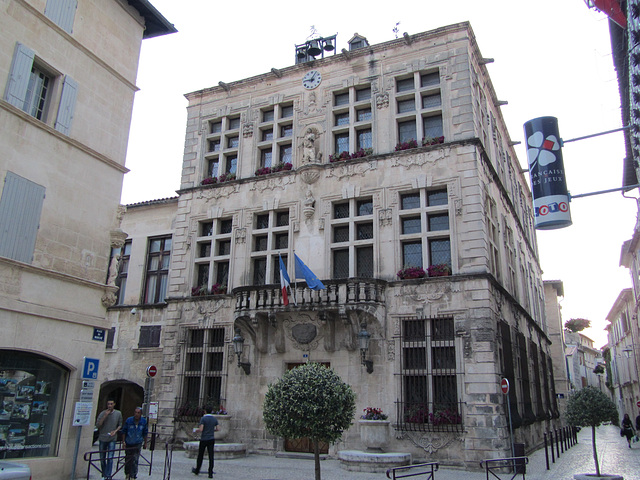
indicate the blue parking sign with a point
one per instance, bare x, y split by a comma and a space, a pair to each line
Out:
90, 368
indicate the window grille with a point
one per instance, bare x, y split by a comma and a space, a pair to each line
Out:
430, 381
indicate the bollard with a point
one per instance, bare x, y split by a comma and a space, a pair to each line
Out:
561, 440
546, 451
557, 443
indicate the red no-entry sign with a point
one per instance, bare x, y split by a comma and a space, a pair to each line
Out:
504, 385
151, 371
638, 404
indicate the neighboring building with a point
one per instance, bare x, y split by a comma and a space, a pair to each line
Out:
326, 159
623, 345
582, 359
67, 75
555, 331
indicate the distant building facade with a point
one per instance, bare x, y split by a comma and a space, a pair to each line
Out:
388, 170
64, 138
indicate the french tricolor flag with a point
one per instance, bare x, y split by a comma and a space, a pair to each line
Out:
284, 282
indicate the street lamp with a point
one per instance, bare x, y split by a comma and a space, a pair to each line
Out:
364, 338
238, 346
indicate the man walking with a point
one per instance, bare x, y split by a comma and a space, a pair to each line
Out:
109, 424
207, 428
135, 438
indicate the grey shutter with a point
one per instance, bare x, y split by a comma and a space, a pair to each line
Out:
62, 13
67, 105
16, 90
20, 209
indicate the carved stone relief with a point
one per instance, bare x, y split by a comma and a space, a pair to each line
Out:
304, 332
346, 171
241, 235
430, 442
385, 217
277, 183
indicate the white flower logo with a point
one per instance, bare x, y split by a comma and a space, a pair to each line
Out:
541, 149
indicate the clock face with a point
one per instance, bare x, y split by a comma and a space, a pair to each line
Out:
311, 80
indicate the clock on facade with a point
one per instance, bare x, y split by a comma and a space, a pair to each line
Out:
311, 80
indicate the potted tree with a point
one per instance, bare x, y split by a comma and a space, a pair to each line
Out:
590, 407
309, 401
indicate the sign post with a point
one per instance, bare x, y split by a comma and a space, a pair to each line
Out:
84, 408
504, 386
152, 371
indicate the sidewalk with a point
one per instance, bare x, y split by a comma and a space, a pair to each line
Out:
613, 453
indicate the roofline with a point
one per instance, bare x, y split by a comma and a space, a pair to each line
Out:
155, 23
159, 201
368, 50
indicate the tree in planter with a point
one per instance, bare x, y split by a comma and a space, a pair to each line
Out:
309, 401
590, 407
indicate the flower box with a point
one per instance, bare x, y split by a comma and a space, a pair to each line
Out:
439, 270
363, 152
406, 145
279, 167
432, 141
411, 272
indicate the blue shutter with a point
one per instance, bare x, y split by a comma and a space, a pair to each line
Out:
16, 90
62, 13
67, 105
20, 209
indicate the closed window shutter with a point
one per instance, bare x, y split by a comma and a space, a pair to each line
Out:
62, 13
67, 105
20, 72
20, 209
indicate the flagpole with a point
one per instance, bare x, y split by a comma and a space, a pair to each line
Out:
295, 280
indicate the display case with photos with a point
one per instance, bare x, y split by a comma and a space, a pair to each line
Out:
31, 392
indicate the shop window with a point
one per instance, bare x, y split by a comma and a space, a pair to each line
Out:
32, 390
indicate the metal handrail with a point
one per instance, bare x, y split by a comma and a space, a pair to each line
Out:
433, 467
515, 463
93, 459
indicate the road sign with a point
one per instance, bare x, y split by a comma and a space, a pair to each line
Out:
504, 385
638, 404
88, 384
82, 414
153, 410
152, 371
98, 334
90, 368
86, 395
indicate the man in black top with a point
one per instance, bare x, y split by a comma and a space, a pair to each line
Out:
207, 428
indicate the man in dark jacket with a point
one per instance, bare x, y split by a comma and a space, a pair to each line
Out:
135, 438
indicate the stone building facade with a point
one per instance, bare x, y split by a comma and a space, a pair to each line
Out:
363, 164
64, 139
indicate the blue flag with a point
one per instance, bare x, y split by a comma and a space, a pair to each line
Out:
303, 272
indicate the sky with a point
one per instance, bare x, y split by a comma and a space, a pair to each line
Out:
552, 58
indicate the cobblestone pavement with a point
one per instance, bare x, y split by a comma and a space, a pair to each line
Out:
613, 453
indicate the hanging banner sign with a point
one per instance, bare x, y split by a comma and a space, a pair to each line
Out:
546, 171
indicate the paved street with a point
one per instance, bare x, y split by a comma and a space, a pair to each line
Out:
613, 453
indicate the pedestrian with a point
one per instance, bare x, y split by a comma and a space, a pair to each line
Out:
638, 423
207, 428
627, 429
135, 438
109, 424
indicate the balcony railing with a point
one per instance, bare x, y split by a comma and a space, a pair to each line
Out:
338, 294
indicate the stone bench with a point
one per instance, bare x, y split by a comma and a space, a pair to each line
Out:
222, 451
357, 461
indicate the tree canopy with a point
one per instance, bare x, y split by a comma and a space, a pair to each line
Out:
309, 401
590, 407
576, 325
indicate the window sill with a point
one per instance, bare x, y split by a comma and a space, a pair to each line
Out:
146, 349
